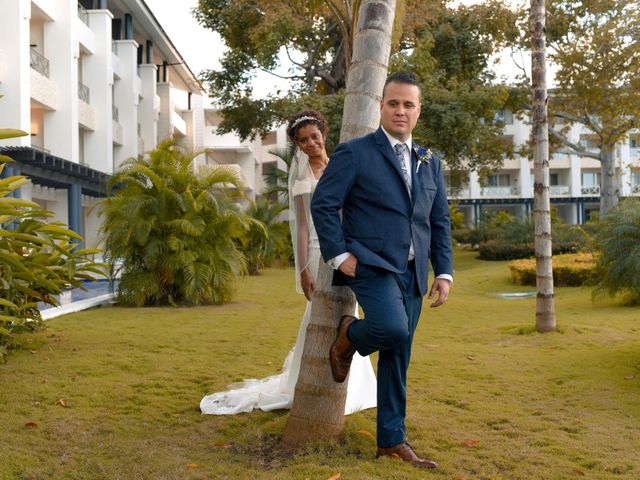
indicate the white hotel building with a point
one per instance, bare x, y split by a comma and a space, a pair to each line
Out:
96, 82
574, 181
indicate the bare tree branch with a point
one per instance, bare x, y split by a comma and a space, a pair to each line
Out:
575, 148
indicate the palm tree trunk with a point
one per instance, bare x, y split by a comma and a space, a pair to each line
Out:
318, 405
545, 309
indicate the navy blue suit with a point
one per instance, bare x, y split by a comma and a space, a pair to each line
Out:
379, 221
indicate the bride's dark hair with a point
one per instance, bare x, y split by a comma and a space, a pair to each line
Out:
304, 118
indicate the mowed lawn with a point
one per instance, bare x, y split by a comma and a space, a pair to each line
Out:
113, 393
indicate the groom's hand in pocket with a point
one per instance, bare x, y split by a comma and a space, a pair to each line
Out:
348, 267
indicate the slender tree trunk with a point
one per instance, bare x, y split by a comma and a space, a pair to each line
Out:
545, 310
318, 405
609, 184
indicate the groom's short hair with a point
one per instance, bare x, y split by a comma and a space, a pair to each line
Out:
408, 78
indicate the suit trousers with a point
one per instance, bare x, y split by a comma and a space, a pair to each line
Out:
391, 304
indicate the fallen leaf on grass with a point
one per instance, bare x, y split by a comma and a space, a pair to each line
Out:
579, 471
630, 377
221, 444
471, 442
31, 425
33, 351
471, 357
335, 476
366, 433
192, 465
61, 402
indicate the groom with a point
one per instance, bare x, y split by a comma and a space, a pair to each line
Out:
395, 219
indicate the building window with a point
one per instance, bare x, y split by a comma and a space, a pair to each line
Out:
590, 179
554, 179
500, 180
504, 116
270, 138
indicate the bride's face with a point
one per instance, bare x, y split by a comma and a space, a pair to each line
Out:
310, 140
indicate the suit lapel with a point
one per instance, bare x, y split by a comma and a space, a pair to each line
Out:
415, 177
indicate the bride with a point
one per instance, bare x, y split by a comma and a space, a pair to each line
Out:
307, 130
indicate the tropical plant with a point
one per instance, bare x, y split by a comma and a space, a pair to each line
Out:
267, 233
38, 260
277, 179
173, 233
618, 242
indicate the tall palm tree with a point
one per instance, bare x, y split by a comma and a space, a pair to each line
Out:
545, 309
173, 232
318, 405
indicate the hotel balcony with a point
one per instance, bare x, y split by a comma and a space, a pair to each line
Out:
499, 192
458, 192
590, 190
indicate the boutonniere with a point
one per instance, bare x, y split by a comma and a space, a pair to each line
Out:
424, 156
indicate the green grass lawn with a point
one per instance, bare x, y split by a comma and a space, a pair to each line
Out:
113, 393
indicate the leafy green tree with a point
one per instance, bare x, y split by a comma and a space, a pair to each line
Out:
618, 242
595, 46
450, 49
172, 232
38, 259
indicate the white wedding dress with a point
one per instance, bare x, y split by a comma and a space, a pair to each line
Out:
276, 392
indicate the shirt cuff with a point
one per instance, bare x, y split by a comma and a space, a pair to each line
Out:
336, 261
446, 276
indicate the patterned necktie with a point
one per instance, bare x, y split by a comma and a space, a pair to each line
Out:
400, 148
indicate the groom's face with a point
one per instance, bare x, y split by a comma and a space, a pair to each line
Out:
400, 109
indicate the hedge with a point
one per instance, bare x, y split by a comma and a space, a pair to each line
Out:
503, 250
569, 270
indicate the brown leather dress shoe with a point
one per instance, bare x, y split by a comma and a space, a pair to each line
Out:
342, 350
405, 452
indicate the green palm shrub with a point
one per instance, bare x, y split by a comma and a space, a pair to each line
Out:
173, 234
618, 242
265, 240
38, 260
276, 179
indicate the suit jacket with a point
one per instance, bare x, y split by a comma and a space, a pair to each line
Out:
379, 218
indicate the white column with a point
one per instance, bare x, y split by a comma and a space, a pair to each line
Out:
15, 72
625, 169
126, 99
524, 178
189, 140
575, 173
197, 105
61, 48
474, 185
165, 130
98, 76
147, 112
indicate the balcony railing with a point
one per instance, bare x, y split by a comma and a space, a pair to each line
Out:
115, 114
559, 190
592, 190
39, 63
82, 14
458, 192
83, 93
500, 191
